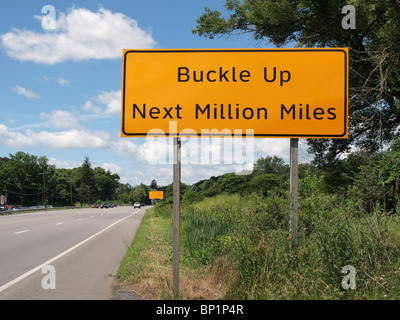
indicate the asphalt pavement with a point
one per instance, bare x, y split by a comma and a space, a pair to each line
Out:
66, 254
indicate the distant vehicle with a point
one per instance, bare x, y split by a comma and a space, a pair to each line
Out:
142, 204
95, 205
136, 205
111, 205
104, 205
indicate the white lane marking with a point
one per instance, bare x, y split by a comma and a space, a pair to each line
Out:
23, 231
57, 224
28, 273
80, 219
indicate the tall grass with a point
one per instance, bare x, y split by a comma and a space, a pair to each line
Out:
147, 266
249, 236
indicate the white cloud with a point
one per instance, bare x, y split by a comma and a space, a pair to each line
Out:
134, 178
112, 167
112, 100
272, 147
90, 107
63, 82
67, 139
24, 92
14, 139
60, 80
80, 35
64, 164
126, 147
71, 139
60, 119
201, 158
12, 121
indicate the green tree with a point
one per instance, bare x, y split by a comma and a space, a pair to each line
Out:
378, 180
210, 187
124, 193
106, 184
21, 176
63, 187
140, 193
86, 182
264, 183
153, 184
169, 190
374, 51
339, 175
269, 165
232, 182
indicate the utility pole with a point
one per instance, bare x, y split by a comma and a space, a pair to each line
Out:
70, 192
44, 189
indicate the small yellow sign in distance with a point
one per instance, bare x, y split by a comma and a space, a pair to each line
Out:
156, 194
296, 93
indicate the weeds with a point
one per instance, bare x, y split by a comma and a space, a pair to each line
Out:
252, 234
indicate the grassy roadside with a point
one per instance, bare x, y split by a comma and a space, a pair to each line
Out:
147, 265
239, 248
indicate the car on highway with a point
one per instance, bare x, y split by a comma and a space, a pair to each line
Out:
95, 205
104, 205
136, 205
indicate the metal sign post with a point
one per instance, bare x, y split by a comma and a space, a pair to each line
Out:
294, 183
176, 217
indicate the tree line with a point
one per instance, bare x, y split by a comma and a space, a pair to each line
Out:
30, 180
370, 179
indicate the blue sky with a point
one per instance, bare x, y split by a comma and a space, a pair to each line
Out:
61, 89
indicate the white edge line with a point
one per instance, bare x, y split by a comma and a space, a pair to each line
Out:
23, 231
28, 273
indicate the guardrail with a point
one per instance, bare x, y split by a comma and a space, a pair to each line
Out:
12, 211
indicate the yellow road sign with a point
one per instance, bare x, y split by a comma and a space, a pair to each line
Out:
221, 92
156, 194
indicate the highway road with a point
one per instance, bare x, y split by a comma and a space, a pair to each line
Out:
66, 254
